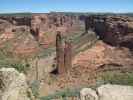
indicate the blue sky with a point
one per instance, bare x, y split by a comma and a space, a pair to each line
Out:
8, 6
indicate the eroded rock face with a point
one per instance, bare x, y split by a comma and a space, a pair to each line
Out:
63, 54
13, 85
60, 53
49, 24
98, 59
42, 26
115, 30
68, 55
53, 22
14, 24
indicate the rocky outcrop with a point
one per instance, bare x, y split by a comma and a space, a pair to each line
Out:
115, 92
53, 22
101, 57
60, 54
35, 33
17, 20
108, 92
13, 85
49, 24
88, 94
63, 54
42, 26
115, 30
68, 55
14, 24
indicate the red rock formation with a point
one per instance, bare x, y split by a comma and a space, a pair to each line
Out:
60, 54
100, 58
115, 30
35, 33
88, 23
63, 55
47, 23
68, 55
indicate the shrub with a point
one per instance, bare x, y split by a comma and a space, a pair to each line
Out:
35, 88
20, 67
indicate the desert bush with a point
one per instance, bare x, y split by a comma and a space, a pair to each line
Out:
20, 67
35, 88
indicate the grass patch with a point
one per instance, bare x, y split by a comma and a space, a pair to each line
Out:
67, 93
11, 63
116, 78
62, 95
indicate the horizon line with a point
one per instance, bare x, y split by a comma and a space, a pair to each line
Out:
65, 12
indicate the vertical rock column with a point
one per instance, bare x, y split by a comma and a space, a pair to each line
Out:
86, 24
60, 54
35, 33
89, 23
68, 55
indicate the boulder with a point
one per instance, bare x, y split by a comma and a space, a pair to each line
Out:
107, 92
115, 92
88, 94
13, 85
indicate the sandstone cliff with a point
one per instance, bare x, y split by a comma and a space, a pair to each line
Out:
47, 24
115, 30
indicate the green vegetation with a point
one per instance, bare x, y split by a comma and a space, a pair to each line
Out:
67, 93
20, 67
9, 62
17, 14
35, 88
116, 78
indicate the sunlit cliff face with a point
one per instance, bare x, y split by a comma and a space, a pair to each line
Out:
115, 30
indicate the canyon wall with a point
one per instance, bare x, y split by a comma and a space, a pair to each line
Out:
42, 27
49, 24
14, 24
115, 30
46, 24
